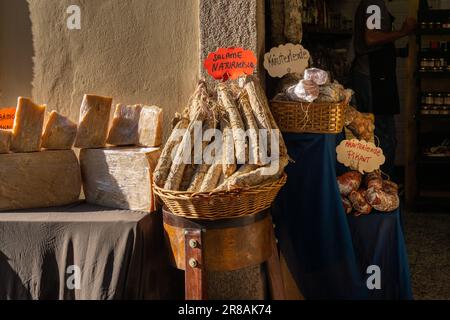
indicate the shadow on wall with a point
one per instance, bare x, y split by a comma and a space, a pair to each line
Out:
11, 284
16, 51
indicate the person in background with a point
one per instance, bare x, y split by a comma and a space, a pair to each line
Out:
373, 77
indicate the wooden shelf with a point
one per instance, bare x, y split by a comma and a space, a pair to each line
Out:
319, 31
437, 194
427, 160
434, 54
432, 32
433, 117
430, 74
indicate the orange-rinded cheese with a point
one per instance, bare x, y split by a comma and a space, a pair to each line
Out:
150, 126
59, 133
28, 123
39, 179
124, 127
94, 121
120, 177
5, 140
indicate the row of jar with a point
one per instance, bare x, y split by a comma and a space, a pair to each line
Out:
435, 110
435, 24
436, 98
434, 64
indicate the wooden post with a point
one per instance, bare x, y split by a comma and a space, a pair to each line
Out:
410, 120
195, 276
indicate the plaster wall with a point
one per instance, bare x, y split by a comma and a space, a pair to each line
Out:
137, 51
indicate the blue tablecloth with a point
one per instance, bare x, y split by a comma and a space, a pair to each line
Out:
327, 252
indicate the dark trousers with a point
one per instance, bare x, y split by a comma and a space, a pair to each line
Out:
384, 124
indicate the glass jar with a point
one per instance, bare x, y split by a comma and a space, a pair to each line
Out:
423, 99
439, 100
423, 63
447, 99
425, 110
430, 99
445, 110
435, 110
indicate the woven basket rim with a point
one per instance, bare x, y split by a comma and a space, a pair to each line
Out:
342, 102
238, 191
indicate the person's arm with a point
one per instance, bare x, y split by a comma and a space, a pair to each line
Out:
378, 37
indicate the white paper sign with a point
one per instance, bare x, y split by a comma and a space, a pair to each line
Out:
284, 59
360, 155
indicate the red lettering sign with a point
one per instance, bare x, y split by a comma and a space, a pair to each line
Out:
7, 118
230, 63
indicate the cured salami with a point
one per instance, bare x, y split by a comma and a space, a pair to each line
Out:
347, 205
318, 76
390, 187
359, 202
351, 181
374, 180
381, 200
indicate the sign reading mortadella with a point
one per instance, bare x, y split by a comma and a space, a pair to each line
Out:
360, 155
7, 118
284, 59
230, 63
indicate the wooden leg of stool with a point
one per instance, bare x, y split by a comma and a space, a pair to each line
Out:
274, 273
195, 277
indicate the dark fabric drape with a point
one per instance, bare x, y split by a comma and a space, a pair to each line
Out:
322, 248
119, 253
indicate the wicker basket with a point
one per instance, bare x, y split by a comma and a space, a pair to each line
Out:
221, 205
301, 117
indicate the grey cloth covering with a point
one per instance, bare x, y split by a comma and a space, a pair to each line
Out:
120, 254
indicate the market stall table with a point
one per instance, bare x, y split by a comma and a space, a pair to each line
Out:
119, 254
328, 252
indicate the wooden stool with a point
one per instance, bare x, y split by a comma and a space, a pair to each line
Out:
197, 246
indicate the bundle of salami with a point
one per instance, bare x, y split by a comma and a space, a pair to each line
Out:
361, 194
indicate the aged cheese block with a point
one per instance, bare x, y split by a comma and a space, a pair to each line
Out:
94, 120
28, 123
59, 133
39, 180
150, 126
124, 128
119, 177
5, 140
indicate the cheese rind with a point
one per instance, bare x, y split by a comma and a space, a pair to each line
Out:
28, 123
150, 126
59, 133
120, 177
5, 140
94, 121
125, 125
39, 180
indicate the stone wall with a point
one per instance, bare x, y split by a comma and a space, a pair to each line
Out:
225, 23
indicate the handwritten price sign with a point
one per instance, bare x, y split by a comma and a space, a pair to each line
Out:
230, 63
360, 155
7, 118
285, 59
